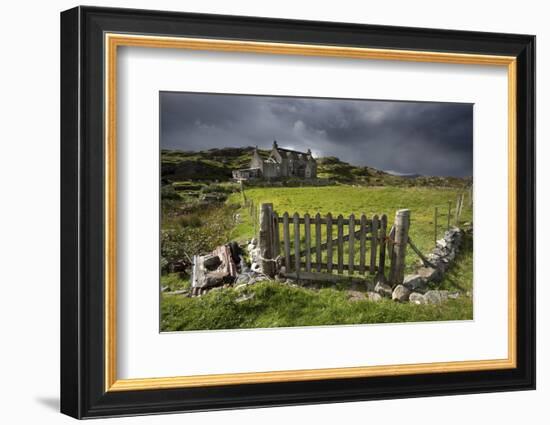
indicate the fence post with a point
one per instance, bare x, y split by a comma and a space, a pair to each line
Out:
435, 225
401, 225
457, 209
449, 216
266, 239
242, 192
461, 205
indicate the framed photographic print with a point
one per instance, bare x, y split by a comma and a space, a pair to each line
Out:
261, 212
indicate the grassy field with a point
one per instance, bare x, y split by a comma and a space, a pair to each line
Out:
271, 304
345, 200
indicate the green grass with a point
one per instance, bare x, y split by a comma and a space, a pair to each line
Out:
174, 282
277, 305
345, 200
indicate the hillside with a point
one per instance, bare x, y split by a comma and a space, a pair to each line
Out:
217, 164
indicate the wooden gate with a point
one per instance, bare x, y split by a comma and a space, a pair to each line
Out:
332, 248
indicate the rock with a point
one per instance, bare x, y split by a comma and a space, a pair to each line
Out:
165, 289
401, 293
383, 289
454, 295
356, 296
255, 267
439, 252
211, 262
213, 279
429, 273
417, 298
244, 297
436, 297
243, 278
373, 296
442, 243
414, 282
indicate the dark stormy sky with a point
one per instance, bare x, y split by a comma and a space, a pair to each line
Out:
433, 139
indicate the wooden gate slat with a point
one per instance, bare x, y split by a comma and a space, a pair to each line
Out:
362, 237
340, 244
351, 254
276, 238
329, 242
307, 235
296, 220
318, 251
373, 242
382, 243
286, 237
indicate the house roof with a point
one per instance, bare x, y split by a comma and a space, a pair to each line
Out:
290, 153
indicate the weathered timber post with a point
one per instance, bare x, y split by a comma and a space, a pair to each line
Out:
255, 219
457, 210
449, 216
242, 192
401, 226
471, 198
435, 225
266, 239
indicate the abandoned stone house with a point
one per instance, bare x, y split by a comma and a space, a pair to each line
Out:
281, 163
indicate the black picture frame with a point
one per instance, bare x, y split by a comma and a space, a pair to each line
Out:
83, 392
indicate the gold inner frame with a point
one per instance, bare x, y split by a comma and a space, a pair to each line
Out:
113, 41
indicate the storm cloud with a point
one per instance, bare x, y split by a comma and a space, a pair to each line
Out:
428, 138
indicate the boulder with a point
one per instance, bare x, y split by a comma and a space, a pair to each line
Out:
356, 296
415, 282
243, 278
383, 289
401, 293
436, 297
373, 296
429, 273
417, 298
442, 243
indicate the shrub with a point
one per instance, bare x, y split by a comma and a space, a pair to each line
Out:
192, 220
168, 192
